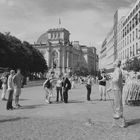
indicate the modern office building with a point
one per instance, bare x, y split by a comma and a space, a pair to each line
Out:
124, 38
129, 42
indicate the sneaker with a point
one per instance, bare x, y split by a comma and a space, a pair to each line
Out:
101, 99
12, 108
48, 101
19, 105
116, 116
16, 107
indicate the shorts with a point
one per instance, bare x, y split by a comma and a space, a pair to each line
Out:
17, 92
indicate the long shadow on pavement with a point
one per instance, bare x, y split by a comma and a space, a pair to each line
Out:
12, 119
32, 106
133, 122
23, 99
75, 101
102, 100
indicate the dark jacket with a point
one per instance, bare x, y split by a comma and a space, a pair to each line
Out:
66, 84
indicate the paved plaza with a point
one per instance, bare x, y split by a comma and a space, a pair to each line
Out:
77, 120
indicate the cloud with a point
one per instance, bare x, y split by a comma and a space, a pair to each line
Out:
88, 20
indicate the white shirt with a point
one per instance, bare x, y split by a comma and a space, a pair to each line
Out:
59, 83
10, 83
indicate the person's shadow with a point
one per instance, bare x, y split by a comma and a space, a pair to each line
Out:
132, 122
12, 119
32, 106
75, 102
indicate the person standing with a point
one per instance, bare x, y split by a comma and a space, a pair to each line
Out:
66, 88
17, 80
117, 87
102, 85
48, 86
4, 86
59, 88
10, 90
88, 86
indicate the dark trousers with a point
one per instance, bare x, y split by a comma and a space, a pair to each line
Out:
65, 95
59, 90
10, 99
88, 92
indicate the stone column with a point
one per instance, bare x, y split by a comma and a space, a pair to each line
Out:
49, 57
68, 59
59, 59
71, 60
64, 60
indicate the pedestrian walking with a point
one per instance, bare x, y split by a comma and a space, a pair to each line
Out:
102, 85
4, 86
10, 90
59, 85
66, 88
88, 87
17, 80
117, 87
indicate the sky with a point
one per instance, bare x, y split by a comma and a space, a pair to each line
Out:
88, 21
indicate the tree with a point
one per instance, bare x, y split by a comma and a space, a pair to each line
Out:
136, 65
16, 54
132, 64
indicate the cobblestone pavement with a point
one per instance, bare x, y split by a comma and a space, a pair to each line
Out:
77, 120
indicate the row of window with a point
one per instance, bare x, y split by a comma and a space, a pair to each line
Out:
128, 39
129, 52
55, 35
132, 14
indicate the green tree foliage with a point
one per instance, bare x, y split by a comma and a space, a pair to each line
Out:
16, 54
132, 64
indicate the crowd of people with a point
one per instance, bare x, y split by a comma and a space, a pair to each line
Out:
119, 85
63, 84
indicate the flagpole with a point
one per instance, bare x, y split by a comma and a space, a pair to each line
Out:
59, 22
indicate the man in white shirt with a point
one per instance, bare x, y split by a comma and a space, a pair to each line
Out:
17, 80
59, 88
10, 90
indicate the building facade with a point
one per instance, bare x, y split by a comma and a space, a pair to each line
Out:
107, 53
124, 38
102, 57
62, 55
129, 42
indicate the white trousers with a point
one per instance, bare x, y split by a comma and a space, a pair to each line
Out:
102, 90
4, 89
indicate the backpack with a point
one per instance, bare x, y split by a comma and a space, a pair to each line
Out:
69, 85
48, 84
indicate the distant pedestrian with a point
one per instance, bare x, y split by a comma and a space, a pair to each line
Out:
102, 85
89, 87
59, 85
4, 86
10, 90
17, 80
66, 88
